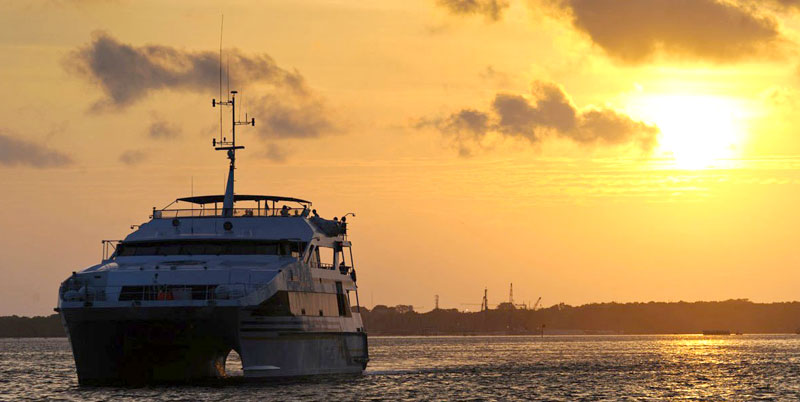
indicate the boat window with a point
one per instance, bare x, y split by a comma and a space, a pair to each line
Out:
341, 301
325, 255
209, 247
351, 301
241, 248
291, 248
311, 256
212, 249
167, 292
144, 250
345, 257
169, 249
193, 249
267, 249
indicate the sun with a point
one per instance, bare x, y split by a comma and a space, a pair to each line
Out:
697, 131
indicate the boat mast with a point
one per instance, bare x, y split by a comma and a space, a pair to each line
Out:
230, 146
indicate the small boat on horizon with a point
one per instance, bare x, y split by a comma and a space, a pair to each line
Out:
716, 332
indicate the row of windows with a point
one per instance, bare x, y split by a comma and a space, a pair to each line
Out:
167, 292
210, 248
285, 303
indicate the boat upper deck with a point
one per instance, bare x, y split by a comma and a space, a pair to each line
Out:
211, 206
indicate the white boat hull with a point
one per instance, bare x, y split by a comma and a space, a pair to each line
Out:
303, 353
132, 346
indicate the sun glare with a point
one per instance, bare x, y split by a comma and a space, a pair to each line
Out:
697, 131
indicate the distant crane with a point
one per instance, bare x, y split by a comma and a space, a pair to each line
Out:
484, 303
535, 305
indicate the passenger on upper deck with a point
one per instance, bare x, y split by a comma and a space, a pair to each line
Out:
284, 211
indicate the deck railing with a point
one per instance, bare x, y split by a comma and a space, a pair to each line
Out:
234, 212
77, 291
109, 247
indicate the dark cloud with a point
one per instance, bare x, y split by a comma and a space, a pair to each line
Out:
549, 112
491, 9
470, 121
282, 117
713, 30
133, 157
161, 129
464, 127
635, 31
611, 127
519, 117
275, 153
128, 73
17, 152
776, 5
789, 4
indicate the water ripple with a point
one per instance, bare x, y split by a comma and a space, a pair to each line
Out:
565, 368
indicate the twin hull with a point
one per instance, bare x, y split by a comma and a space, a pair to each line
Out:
136, 345
303, 326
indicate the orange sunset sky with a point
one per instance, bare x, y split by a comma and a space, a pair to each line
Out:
585, 150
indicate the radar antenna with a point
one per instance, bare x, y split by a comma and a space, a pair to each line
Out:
222, 143
230, 146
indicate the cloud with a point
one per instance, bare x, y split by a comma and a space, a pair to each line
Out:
161, 129
17, 152
549, 112
635, 31
133, 157
275, 153
788, 4
491, 9
712, 30
282, 117
783, 6
283, 105
470, 121
128, 73
464, 128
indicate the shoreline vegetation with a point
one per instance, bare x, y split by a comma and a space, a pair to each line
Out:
737, 316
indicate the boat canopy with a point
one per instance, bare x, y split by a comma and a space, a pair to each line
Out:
211, 199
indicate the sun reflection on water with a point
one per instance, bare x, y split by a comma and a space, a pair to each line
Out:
560, 368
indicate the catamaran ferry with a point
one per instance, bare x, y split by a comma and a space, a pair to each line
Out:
261, 275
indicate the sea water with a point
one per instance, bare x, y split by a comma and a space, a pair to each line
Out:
560, 368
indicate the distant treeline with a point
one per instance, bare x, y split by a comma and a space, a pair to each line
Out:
31, 327
629, 318
621, 318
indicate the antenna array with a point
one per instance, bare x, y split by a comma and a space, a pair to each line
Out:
222, 144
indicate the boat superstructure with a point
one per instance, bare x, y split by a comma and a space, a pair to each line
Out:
262, 275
